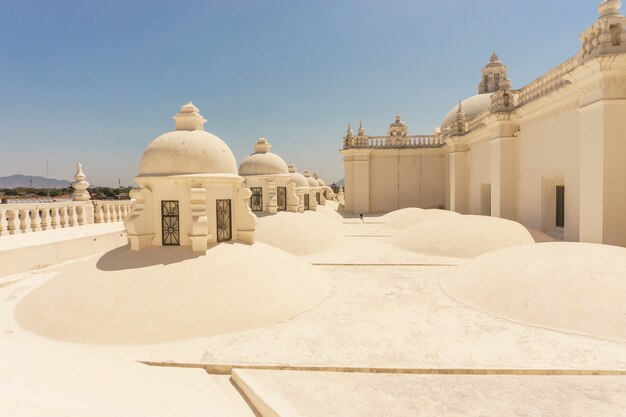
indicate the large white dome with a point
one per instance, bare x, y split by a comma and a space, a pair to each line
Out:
188, 149
263, 162
472, 106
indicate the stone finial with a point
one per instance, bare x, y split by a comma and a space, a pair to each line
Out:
189, 118
80, 185
494, 57
460, 109
316, 175
361, 131
349, 133
306, 173
262, 146
610, 8
292, 168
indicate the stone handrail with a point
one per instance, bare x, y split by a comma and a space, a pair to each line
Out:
34, 217
109, 211
550, 81
413, 141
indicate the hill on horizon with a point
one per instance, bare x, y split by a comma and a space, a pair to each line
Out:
28, 181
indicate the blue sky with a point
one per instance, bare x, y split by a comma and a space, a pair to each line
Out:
96, 81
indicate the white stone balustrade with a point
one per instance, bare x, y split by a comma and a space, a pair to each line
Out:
35, 217
409, 141
110, 211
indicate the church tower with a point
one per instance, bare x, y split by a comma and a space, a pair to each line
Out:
494, 76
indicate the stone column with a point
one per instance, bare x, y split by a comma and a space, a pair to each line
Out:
458, 177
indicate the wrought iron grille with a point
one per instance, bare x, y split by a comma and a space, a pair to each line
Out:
306, 201
256, 201
170, 226
224, 224
317, 197
282, 198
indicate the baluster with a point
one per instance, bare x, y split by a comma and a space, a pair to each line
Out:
43, 218
11, 218
54, 217
62, 217
79, 215
97, 212
106, 209
24, 219
35, 226
70, 216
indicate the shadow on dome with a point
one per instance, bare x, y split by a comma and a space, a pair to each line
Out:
123, 258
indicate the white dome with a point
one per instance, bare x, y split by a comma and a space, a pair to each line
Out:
263, 162
472, 106
312, 182
299, 179
184, 152
188, 149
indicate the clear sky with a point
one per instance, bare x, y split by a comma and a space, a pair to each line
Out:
96, 81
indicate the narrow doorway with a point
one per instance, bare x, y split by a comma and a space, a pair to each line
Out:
306, 201
256, 201
560, 206
224, 224
282, 198
170, 226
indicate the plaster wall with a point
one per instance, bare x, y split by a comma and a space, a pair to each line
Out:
263, 181
479, 173
180, 190
549, 147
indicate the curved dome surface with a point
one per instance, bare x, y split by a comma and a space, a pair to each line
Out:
299, 179
263, 164
167, 294
187, 152
574, 287
312, 182
464, 236
472, 106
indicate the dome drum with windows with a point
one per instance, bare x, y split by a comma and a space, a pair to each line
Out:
190, 192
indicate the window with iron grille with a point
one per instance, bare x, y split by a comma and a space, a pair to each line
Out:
282, 198
256, 201
224, 224
306, 201
317, 197
170, 227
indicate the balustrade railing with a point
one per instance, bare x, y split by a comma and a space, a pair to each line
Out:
413, 141
35, 217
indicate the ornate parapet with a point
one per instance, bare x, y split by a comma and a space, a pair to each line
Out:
391, 142
36, 217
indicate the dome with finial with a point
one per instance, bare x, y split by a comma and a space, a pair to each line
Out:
398, 127
296, 177
311, 181
361, 131
610, 8
188, 149
320, 181
470, 107
262, 161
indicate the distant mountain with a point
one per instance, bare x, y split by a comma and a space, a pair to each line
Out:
16, 181
339, 183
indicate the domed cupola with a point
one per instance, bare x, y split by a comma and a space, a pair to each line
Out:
398, 127
187, 150
312, 181
262, 161
296, 177
494, 76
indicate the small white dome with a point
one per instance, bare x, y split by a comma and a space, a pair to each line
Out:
319, 180
296, 177
188, 149
263, 162
184, 152
312, 182
472, 106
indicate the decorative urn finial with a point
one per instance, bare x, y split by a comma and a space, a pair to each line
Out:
80, 185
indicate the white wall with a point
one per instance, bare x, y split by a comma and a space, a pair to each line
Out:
550, 148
